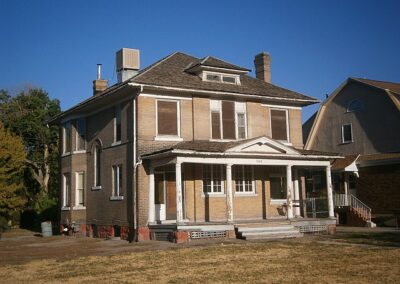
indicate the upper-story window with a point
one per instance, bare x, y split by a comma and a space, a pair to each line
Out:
80, 189
66, 190
228, 120
347, 133
168, 123
67, 138
80, 134
279, 124
117, 124
354, 105
221, 78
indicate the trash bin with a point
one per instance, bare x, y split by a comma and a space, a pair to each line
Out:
47, 230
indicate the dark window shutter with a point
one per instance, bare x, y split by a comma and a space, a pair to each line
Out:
167, 118
228, 120
278, 124
215, 125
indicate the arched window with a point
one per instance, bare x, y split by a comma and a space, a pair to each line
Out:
97, 166
354, 105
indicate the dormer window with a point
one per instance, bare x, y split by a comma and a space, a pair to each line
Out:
221, 78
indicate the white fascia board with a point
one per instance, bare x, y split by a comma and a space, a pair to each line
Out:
219, 93
165, 96
281, 106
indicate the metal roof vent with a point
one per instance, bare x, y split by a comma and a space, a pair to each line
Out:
127, 63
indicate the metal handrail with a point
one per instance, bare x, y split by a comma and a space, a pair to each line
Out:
354, 203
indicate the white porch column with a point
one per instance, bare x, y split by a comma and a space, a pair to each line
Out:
289, 191
179, 203
329, 191
229, 195
296, 193
346, 188
151, 213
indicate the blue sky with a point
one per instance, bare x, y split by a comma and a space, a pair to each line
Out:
314, 45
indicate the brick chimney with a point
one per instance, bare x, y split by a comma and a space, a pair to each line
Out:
99, 85
262, 63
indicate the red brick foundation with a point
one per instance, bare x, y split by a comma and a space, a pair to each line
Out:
143, 234
181, 237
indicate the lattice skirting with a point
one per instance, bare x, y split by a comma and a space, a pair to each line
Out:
313, 229
207, 234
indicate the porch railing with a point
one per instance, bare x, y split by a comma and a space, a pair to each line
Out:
341, 200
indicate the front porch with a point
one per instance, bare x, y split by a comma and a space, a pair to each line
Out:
194, 192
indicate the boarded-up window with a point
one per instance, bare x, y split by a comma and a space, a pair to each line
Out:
279, 125
216, 125
167, 118
228, 120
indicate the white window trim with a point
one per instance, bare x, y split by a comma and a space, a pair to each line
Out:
220, 76
351, 131
95, 186
77, 205
223, 179
286, 142
115, 193
160, 137
253, 184
116, 110
76, 150
66, 125
64, 196
216, 106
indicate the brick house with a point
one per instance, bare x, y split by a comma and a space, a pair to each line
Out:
187, 147
364, 119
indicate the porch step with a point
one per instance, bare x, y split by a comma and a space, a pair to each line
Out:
268, 232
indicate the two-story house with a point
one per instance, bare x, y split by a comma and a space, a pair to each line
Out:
363, 119
187, 147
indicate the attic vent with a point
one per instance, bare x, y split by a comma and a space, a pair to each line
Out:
127, 63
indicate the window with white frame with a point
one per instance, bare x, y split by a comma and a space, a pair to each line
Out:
228, 120
168, 123
66, 190
80, 189
278, 190
280, 124
221, 78
80, 125
117, 124
213, 179
117, 181
347, 133
244, 179
67, 138
97, 166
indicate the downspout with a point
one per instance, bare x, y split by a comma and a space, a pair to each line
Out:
135, 164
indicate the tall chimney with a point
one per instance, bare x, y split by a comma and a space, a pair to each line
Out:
262, 63
99, 85
127, 63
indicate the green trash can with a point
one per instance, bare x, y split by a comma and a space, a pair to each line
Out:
47, 230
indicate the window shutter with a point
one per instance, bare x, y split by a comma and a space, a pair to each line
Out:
216, 125
279, 125
167, 118
228, 120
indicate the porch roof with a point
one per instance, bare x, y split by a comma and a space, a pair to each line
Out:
255, 147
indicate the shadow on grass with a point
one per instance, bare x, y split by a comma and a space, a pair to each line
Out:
384, 239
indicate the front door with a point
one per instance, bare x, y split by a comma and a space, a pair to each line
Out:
170, 186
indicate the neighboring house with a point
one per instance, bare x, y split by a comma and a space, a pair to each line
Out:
361, 119
187, 147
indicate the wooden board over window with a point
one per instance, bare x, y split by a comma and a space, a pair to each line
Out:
279, 124
167, 118
228, 120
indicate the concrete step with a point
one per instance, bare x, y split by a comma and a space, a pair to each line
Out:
265, 229
273, 236
274, 232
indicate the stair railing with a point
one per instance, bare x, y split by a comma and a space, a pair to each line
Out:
341, 200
